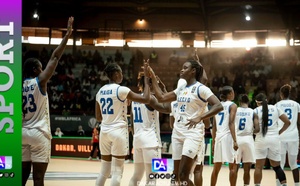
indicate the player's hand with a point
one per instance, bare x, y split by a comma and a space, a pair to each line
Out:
235, 146
70, 25
145, 67
161, 83
151, 73
193, 122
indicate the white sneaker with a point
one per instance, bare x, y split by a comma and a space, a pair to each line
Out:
90, 158
97, 158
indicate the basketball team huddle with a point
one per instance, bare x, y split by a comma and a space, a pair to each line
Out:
240, 134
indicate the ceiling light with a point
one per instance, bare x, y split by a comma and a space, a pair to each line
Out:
248, 18
36, 15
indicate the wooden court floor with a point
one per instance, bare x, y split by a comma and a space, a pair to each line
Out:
81, 172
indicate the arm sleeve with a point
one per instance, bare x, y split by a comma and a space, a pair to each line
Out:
204, 92
123, 92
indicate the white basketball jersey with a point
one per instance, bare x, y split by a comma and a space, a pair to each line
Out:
273, 118
35, 107
222, 120
113, 106
244, 121
192, 102
291, 109
146, 126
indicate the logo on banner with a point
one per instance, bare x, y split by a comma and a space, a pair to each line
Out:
5, 162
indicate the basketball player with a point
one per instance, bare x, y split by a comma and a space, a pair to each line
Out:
246, 123
224, 137
188, 135
146, 140
289, 138
267, 142
36, 133
111, 111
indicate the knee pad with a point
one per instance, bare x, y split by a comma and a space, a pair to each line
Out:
117, 171
280, 174
104, 172
293, 162
105, 168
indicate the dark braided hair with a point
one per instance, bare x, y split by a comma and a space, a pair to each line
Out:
224, 92
29, 65
285, 90
199, 69
110, 69
262, 99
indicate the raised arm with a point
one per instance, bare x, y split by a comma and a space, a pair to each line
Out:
145, 98
163, 86
160, 107
57, 53
166, 97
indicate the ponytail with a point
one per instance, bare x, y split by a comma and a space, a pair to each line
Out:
262, 99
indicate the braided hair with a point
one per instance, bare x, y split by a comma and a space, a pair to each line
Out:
262, 99
199, 69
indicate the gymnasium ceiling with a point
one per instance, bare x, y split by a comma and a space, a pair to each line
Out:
165, 15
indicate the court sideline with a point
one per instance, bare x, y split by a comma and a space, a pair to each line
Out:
78, 172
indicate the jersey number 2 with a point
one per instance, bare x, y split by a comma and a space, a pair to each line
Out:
32, 105
106, 105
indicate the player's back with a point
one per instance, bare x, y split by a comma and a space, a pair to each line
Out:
222, 119
35, 106
244, 121
273, 117
291, 109
113, 106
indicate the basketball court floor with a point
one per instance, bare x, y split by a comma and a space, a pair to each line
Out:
79, 172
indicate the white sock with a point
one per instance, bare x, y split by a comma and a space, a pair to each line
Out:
258, 184
278, 182
297, 184
246, 185
284, 184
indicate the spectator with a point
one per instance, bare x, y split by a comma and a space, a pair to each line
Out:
80, 131
153, 57
174, 58
58, 132
95, 143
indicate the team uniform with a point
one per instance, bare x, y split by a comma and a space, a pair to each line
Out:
114, 128
191, 102
269, 145
244, 134
36, 133
223, 149
290, 137
146, 138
